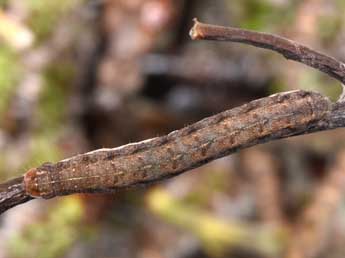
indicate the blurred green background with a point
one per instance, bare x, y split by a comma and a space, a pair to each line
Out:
78, 75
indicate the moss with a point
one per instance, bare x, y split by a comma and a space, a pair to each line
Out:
333, 88
262, 15
313, 80
46, 14
51, 114
328, 28
53, 101
52, 237
214, 181
340, 5
44, 149
10, 73
277, 86
216, 235
3, 170
3, 3
257, 14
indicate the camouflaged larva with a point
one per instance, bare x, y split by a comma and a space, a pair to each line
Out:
107, 170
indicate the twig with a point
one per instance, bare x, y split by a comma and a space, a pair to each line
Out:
107, 170
13, 193
288, 48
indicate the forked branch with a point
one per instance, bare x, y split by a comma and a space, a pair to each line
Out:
107, 170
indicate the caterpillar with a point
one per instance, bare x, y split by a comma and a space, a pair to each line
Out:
107, 170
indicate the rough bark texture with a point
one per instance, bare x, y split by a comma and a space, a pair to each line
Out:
13, 193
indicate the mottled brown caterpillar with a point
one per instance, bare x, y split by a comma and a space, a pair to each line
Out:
106, 170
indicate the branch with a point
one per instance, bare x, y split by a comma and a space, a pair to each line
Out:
288, 48
13, 193
107, 170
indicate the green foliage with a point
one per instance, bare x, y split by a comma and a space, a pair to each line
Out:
216, 180
328, 27
53, 102
333, 88
3, 3
3, 170
50, 114
44, 148
9, 75
259, 14
315, 81
277, 86
46, 14
340, 5
52, 237
217, 235
331, 23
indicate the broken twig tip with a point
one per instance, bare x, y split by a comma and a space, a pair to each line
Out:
194, 33
286, 47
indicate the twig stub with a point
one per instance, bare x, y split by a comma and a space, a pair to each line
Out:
194, 32
288, 48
